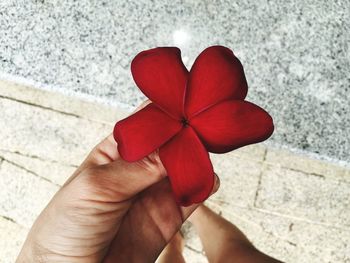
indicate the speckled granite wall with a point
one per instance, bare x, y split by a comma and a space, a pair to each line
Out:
296, 54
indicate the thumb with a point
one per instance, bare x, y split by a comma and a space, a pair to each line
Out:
120, 180
153, 221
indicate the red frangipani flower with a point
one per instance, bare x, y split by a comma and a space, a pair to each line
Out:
191, 114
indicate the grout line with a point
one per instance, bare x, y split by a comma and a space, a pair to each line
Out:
14, 221
260, 179
38, 158
8, 219
40, 106
301, 171
193, 249
104, 122
257, 189
336, 178
340, 179
303, 219
31, 172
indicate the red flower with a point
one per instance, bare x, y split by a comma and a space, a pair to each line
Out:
191, 113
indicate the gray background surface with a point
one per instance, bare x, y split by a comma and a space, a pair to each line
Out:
295, 53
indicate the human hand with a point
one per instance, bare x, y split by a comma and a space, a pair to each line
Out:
108, 211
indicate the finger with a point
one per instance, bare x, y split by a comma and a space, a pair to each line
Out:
160, 194
105, 152
149, 225
120, 180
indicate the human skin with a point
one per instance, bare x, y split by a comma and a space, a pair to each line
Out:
224, 242
109, 210
172, 253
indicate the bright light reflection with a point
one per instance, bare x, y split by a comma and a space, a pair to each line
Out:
180, 38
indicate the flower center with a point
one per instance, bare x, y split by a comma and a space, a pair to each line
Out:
184, 122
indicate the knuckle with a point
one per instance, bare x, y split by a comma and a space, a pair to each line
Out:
97, 184
88, 181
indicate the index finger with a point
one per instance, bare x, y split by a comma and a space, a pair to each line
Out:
106, 151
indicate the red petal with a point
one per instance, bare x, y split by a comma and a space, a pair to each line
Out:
143, 132
216, 75
232, 124
161, 76
188, 166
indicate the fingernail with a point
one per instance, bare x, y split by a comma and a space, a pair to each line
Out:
216, 184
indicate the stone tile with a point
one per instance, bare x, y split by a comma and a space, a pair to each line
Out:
23, 195
313, 242
192, 239
193, 256
248, 221
54, 172
306, 164
12, 238
239, 180
59, 102
48, 134
290, 239
321, 242
306, 196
